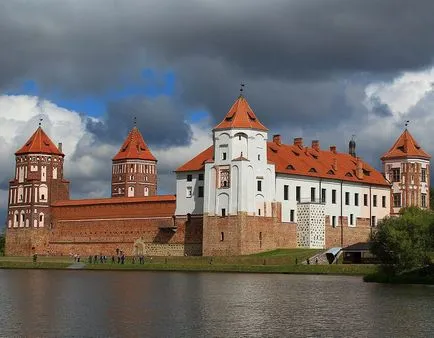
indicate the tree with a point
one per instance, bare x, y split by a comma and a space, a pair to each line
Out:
402, 243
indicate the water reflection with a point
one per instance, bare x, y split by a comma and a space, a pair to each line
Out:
169, 304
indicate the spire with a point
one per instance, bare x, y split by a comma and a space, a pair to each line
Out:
241, 116
352, 147
134, 148
39, 143
406, 146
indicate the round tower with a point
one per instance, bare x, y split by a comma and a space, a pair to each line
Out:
134, 168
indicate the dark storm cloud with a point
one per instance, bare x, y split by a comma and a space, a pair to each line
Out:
160, 121
380, 108
292, 54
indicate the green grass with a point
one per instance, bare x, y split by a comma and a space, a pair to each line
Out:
31, 265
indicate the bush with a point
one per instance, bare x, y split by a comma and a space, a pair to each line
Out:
402, 243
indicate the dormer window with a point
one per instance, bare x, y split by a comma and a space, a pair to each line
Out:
290, 167
312, 170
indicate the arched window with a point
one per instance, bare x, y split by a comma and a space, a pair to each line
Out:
41, 219
130, 191
146, 191
16, 218
43, 193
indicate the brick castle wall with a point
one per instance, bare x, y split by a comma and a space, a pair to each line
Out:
351, 235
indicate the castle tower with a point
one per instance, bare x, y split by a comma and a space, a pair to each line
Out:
38, 182
407, 166
134, 168
240, 180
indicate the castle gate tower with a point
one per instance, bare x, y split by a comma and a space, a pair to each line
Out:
37, 183
407, 166
134, 168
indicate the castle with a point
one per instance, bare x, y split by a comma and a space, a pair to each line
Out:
243, 194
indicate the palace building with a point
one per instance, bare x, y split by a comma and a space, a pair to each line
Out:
241, 195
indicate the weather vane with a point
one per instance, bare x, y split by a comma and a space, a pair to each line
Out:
40, 121
242, 87
406, 123
135, 121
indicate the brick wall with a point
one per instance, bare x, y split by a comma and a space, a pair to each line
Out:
26, 241
351, 235
242, 234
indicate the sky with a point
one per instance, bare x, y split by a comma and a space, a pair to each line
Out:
315, 69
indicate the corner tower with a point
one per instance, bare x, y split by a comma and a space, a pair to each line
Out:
38, 182
407, 166
134, 168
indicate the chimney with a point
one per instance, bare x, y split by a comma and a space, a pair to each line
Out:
335, 164
298, 141
315, 145
276, 139
333, 149
359, 169
352, 148
59, 146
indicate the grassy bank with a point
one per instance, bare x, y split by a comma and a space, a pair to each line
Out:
276, 261
335, 269
420, 276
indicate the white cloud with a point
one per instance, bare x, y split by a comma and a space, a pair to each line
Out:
404, 92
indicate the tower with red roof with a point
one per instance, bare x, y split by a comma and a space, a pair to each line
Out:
407, 166
37, 183
134, 168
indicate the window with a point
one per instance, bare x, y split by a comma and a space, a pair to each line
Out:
224, 178
374, 200
259, 212
323, 196
41, 218
291, 215
223, 213
312, 194
334, 196
297, 193
356, 199
423, 200
334, 221
423, 175
189, 178
373, 221
189, 192
223, 156
42, 197
259, 157
396, 175
397, 200
200, 191
351, 219
347, 198
200, 177
286, 192
259, 185
222, 236
383, 201
365, 200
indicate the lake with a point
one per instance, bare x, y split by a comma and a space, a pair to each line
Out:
174, 304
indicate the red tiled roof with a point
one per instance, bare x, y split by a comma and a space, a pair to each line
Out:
406, 146
293, 160
241, 116
134, 148
39, 143
115, 200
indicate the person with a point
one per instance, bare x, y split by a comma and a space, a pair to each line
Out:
308, 261
113, 259
296, 260
35, 258
122, 259
90, 260
316, 260
78, 258
95, 259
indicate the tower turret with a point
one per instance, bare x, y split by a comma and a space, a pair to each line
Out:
134, 168
352, 147
407, 166
38, 182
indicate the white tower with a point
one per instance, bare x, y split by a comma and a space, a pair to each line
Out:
240, 179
